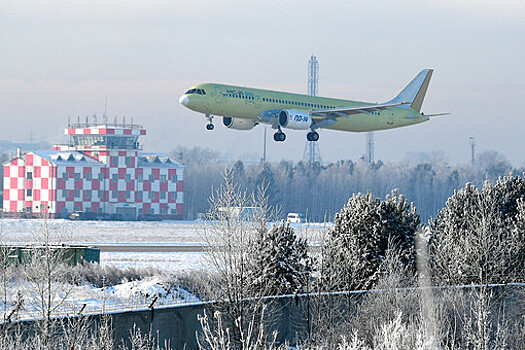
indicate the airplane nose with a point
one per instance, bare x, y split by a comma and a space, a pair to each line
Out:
183, 100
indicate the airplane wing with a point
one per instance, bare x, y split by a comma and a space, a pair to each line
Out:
347, 111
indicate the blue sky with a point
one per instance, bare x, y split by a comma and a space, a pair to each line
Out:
62, 59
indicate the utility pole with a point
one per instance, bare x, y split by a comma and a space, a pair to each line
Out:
263, 159
369, 155
472, 143
311, 148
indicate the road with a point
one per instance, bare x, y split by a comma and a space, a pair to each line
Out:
150, 248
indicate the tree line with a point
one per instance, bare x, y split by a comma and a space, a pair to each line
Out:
378, 245
320, 190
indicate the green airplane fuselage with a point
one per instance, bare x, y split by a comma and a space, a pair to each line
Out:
248, 103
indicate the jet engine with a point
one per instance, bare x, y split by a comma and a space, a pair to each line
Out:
238, 124
296, 120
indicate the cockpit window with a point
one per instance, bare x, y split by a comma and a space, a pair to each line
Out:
196, 91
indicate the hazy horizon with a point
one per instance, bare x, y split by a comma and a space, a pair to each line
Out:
63, 59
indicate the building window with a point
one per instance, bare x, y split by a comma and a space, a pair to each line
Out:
163, 178
173, 178
139, 195
77, 176
65, 176
140, 177
114, 177
151, 195
100, 177
88, 194
128, 177
29, 192
114, 161
114, 194
151, 211
89, 176
128, 194
64, 193
128, 161
100, 193
29, 175
162, 195
76, 193
174, 195
140, 211
173, 211
151, 178
163, 211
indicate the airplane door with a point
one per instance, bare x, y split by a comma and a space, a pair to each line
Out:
257, 101
219, 102
219, 98
390, 117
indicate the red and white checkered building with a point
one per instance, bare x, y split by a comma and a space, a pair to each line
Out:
100, 170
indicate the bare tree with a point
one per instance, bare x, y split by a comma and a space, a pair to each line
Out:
231, 231
47, 290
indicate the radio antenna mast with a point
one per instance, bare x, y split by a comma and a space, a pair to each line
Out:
311, 148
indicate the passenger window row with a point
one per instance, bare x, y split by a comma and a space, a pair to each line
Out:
246, 97
302, 104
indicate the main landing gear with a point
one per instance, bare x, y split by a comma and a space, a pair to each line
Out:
279, 136
210, 122
312, 136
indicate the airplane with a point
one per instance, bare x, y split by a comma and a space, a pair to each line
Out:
243, 108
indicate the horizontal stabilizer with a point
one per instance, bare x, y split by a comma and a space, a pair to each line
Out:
436, 114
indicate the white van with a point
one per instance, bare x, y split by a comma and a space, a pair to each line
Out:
295, 218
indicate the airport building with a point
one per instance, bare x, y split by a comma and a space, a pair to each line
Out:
101, 170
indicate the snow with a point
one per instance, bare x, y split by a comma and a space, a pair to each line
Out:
169, 261
23, 231
128, 294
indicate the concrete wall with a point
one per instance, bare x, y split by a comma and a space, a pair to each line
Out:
289, 315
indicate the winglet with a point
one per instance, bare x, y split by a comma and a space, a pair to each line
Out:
415, 91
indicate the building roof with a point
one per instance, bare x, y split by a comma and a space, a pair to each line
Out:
157, 160
67, 158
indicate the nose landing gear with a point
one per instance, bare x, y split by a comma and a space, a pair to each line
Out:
210, 122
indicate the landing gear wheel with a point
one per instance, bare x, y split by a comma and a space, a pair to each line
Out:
312, 136
279, 136
210, 122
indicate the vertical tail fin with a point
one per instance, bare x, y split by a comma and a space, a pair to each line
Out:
415, 91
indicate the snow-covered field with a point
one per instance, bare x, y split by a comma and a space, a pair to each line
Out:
24, 231
128, 294
168, 261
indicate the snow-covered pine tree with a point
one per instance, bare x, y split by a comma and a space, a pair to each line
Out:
283, 266
365, 229
479, 236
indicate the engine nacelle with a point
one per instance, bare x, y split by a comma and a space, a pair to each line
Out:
297, 120
238, 123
